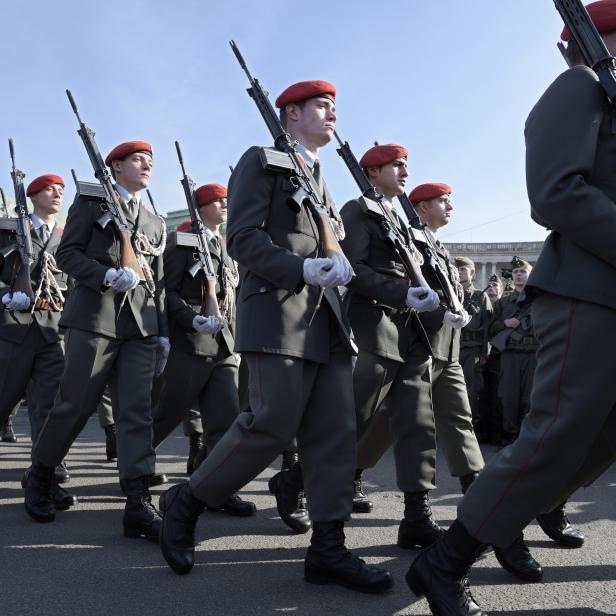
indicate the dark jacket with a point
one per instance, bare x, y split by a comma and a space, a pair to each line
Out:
479, 308
444, 339
13, 324
184, 293
86, 252
570, 163
271, 238
522, 338
376, 300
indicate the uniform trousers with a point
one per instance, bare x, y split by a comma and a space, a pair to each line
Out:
469, 360
32, 367
567, 439
212, 381
451, 416
290, 396
516, 382
93, 360
406, 390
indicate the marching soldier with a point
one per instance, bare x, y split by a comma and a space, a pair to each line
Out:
393, 365
511, 331
569, 152
116, 330
201, 365
295, 338
473, 338
31, 347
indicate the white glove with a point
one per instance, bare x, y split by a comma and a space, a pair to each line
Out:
328, 273
162, 353
457, 321
422, 299
207, 325
16, 301
121, 280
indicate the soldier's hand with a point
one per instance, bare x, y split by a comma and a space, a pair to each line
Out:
513, 323
16, 301
422, 299
456, 320
121, 280
313, 269
207, 325
338, 275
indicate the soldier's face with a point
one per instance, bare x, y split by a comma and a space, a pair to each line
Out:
437, 212
466, 274
134, 171
519, 276
214, 213
49, 200
390, 179
313, 123
494, 291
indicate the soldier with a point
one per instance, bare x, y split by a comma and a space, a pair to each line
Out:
295, 338
201, 365
474, 338
116, 329
393, 366
511, 332
31, 348
567, 439
490, 409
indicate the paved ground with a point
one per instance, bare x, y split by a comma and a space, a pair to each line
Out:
82, 565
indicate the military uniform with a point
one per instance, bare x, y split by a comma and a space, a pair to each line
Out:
474, 346
31, 347
517, 360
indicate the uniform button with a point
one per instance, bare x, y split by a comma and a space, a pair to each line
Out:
373, 302
262, 290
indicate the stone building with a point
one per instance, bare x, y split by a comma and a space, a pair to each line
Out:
494, 257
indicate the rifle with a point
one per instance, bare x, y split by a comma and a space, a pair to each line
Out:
499, 341
151, 201
114, 211
584, 32
23, 240
307, 189
453, 297
406, 251
203, 260
4, 204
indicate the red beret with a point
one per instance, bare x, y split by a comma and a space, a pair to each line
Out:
431, 190
42, 182
184, 226
125, 149
210, 192
383, 154
305, 90
603, 15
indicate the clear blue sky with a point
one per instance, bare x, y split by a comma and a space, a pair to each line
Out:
452, 80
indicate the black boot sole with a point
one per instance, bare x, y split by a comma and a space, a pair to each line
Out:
136, 533
362, 508
316, 577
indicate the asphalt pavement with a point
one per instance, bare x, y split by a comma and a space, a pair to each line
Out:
82, 565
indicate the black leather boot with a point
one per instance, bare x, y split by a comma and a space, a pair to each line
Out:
61, 473
111, 448
141, 518
194, 447
328, 561
555, 524
158, 479
6, 432
361, 503
180, 510
237, 506
62, 500
466, 480
39, 500
290, 458
517, 559
288, 488
440, 573
418, 528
